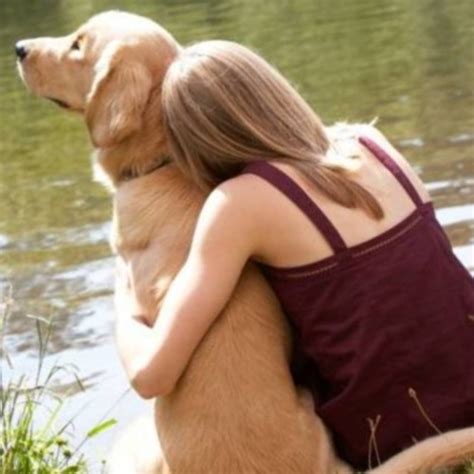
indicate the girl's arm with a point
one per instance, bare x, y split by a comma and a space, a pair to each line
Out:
225, 235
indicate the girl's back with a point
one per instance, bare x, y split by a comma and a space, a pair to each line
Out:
292, 240
383, 309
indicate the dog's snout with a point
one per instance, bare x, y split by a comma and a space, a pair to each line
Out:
21, 51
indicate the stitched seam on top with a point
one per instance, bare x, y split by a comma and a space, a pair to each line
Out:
359, 253
314, 272
390, 239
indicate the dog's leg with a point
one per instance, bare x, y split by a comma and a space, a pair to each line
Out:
442, 451
328, 462
137, 451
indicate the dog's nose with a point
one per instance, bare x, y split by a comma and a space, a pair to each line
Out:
21, 51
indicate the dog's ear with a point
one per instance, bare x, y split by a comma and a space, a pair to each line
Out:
118, 96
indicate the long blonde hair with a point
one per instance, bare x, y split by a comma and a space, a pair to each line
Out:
224, 106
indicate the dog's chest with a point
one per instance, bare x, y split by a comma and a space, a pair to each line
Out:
152, 237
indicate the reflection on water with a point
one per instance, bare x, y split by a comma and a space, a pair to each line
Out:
409, 63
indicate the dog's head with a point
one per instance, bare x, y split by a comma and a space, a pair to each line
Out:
107, 70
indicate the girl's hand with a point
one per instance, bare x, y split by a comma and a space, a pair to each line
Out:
125, 302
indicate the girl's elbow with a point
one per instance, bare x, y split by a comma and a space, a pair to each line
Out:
149, 387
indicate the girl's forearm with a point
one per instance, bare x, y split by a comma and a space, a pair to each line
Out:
135, 339
137, 344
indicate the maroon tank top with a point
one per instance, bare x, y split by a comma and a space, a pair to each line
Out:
384, 330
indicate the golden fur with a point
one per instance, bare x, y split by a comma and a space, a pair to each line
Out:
235, 409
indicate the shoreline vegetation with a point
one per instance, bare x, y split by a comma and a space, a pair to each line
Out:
33, 438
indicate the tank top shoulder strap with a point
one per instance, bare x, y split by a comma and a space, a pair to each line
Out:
295, 193
394, 168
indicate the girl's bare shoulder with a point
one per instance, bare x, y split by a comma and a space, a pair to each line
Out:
246, 188
376, 135
253, 200
343, 131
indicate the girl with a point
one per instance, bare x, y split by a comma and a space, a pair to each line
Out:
346, 234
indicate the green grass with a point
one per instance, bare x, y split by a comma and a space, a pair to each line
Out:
32, 440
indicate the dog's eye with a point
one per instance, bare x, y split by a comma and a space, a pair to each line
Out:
76, 45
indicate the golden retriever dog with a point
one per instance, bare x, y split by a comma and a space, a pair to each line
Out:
235, 410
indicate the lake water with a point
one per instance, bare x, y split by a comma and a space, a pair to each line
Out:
410, 63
